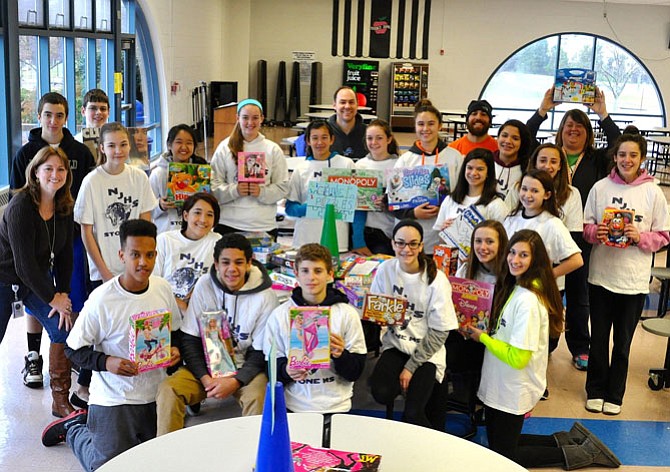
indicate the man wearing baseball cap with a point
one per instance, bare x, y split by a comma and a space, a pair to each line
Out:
478, 122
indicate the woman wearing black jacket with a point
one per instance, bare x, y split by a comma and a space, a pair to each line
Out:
588, 164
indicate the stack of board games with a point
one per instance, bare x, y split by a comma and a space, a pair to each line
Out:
384, 310
283, 271
217, 343
314, 459
446, 259
149, 339
251, 167
575, 85
616, 220
459, 233
370, 185
358, 275
185, 179
409, 187
473, 300
309, 346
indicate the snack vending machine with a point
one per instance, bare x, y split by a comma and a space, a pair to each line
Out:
409, 84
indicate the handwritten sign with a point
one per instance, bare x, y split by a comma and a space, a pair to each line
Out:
342, 196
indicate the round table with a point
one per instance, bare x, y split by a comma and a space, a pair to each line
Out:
232, 444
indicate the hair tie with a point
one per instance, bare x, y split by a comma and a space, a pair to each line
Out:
249, 101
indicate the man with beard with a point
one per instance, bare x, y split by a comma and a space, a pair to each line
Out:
478, 121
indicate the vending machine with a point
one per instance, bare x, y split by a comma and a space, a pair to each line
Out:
363, 78
409, 84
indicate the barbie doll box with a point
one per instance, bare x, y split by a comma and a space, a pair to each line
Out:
150, 337
309, 346
217, 343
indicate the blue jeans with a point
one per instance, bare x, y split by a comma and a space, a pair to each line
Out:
37, 307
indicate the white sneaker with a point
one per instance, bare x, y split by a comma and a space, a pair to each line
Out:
595, 405
611, 408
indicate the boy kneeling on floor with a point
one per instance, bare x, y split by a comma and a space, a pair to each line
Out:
122, 406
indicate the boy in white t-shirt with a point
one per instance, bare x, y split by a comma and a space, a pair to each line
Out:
122, 407
318, 390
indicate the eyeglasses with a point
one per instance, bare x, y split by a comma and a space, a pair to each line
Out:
95, 109
411, 245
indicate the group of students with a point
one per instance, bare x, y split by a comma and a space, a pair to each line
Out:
523, 190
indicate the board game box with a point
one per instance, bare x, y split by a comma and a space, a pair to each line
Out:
575, 85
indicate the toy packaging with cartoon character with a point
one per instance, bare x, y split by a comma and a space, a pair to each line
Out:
309, 344
459, 233
409, 187
185, 179
473, 300
150, 338
384, 310
370, 185
251, 167
575, 85
446, 259
315, 459
616, 220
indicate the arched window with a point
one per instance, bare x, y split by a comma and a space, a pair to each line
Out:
517, 86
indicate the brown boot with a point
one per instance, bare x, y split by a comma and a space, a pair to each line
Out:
61, 380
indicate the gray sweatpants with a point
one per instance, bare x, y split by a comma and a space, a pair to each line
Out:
109, 431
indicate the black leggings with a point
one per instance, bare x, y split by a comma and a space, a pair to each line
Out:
528, 450
422, 406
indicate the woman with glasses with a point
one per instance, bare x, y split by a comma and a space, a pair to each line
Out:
413, 360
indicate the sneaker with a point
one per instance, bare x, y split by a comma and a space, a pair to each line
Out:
581, 362
56, 431
32, 372
193, 410
611, 409
545, 395
594, 405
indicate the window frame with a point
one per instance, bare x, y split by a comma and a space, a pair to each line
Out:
554, 116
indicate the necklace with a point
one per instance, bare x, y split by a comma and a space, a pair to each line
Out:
52, 242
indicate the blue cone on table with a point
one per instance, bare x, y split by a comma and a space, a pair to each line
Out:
274, 444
